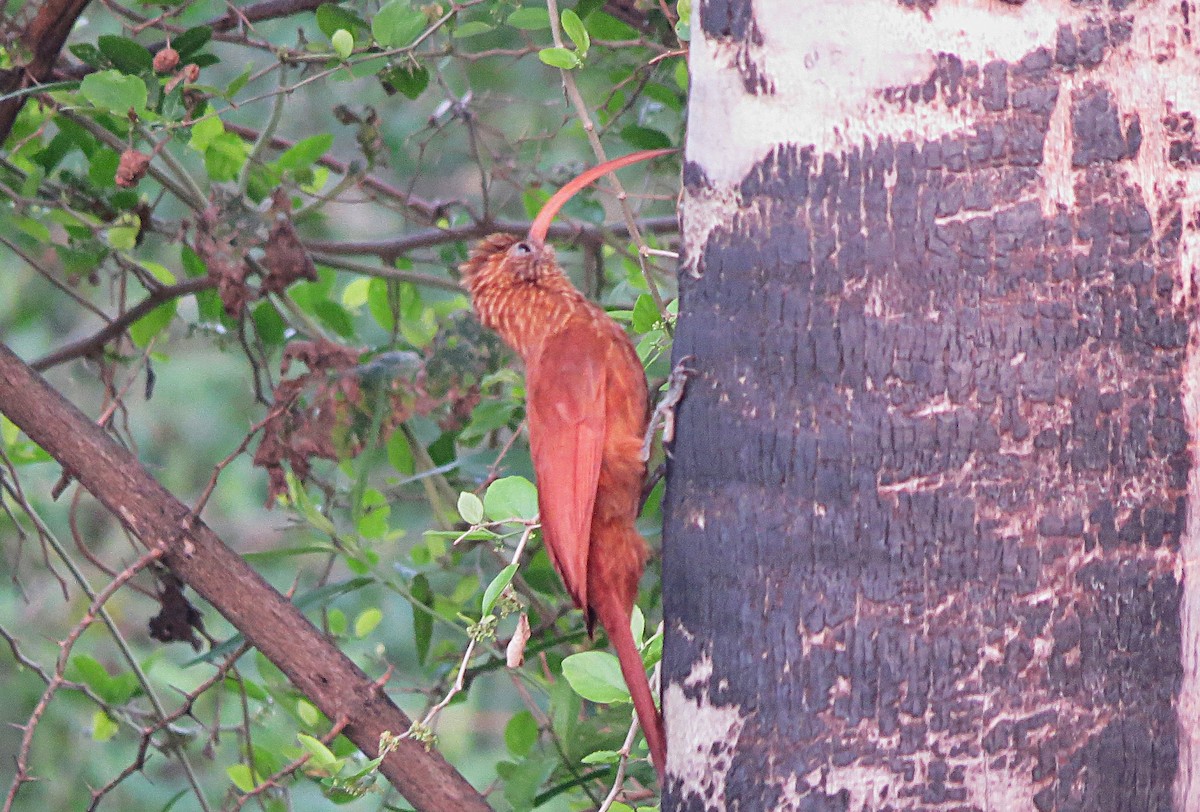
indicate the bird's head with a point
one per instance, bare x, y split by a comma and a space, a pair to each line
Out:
506, 261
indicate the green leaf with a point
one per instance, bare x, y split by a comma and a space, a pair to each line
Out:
305, 153
102, 169
103, 727
330, 18
637, 625
113, 90
308, 713
529, 19
380, 305
153, 323
366, 622
224, 157
239, 82
644, 137
191, 41
511, 497
322, 756
472, 29
575, 30
492, 593
681, 74
645, 313
113, 690
521, 733
488, 416
88, 54
373, 523
559, 58
204, 131
585, 7
343, 43
602, 757
122, 238
128, 56
269, 324
335, 317
565, 708
399, 453
336, 619
652, 651
241, 776
409, 79
354, 295
397, 24
604, 26
422, 621
470, 508
464, 590
526, 778
596, 676
38, 230
666, 96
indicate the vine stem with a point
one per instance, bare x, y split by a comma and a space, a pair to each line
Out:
589, 128
460, 679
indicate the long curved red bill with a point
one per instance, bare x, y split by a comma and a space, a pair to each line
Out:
541, 223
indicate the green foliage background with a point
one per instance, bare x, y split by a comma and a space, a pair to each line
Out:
430, 123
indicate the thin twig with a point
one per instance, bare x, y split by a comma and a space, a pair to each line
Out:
264, 136
93, 343
589, 129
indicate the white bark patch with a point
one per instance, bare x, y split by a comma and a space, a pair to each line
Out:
1150, 75
701, 736
829, 65
1187, 780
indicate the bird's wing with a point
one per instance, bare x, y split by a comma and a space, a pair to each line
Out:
566, 403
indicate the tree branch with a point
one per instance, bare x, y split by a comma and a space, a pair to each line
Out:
257, 12
428, 211
268, 620
394, 247
44, 38
95, 342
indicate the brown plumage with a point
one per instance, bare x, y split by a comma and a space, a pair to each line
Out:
586, 407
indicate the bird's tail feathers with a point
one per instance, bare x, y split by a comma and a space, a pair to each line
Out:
615, 621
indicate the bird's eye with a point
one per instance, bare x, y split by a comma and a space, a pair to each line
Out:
522, 248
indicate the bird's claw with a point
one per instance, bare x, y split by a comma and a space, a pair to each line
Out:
664, 412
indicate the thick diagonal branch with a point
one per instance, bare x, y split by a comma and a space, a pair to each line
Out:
272, 624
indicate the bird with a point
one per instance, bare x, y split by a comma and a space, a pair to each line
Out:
586, 407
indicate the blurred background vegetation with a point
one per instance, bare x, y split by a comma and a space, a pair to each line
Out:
398, 133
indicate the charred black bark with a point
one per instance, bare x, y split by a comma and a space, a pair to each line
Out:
928, 488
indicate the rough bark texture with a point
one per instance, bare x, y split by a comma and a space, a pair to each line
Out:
928, 511
202, 561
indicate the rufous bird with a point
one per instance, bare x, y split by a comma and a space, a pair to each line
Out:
586, 406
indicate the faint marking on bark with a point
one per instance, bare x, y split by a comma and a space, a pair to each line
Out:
1057, 178
1137, 83
1187, 781
698, 733
706, 208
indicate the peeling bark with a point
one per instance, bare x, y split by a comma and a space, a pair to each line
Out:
929, 529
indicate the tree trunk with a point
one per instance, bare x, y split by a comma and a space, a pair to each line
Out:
929, 540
